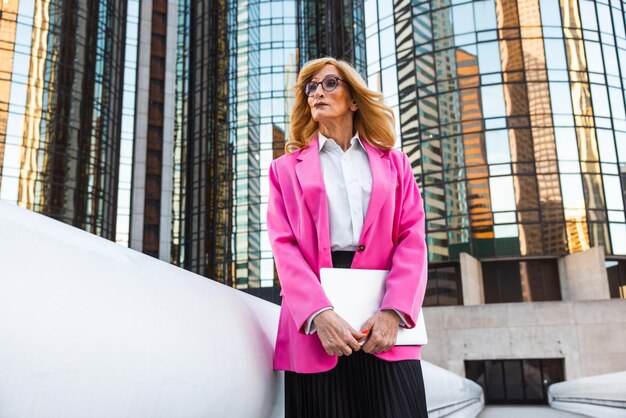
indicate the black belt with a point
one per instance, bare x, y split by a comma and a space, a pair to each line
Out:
342, 259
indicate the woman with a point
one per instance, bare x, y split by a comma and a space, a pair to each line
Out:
342, 197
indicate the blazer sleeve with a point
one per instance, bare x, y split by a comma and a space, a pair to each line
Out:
301, 288
406, 282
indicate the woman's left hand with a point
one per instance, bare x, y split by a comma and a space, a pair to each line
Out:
383, 330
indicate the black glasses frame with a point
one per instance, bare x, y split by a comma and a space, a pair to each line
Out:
311, 87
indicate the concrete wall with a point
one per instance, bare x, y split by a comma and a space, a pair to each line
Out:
472, 274
583, 276
589, 335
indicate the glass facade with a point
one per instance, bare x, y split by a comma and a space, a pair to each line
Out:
444, 285
521, 281
616, 270
61, 108
512, 113
515, 381
122, 233
205, 166
266, 60
267, 42
332, 28
179, 184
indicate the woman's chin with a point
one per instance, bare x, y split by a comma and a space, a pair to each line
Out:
319, 120
322, 119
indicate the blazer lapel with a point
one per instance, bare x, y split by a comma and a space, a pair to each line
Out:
383, 183
309, 174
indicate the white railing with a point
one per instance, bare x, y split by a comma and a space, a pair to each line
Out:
595, 396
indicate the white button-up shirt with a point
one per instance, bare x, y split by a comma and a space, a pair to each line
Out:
348, 183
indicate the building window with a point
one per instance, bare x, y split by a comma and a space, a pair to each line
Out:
515, 381
521, 281
616, 270
444, 285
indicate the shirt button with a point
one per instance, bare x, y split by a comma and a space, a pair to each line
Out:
361, 247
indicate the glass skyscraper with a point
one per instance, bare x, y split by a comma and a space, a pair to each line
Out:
512, 113
153, 123
61, 98
237, 63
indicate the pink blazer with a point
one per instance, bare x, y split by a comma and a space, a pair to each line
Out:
392, 239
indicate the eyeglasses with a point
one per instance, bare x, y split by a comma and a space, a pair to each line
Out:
329, 84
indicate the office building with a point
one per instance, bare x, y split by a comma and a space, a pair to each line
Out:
512, 113
61, 100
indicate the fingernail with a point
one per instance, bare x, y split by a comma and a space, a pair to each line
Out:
365, 331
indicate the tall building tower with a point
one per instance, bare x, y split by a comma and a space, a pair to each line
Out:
270, 41
512, 113
150, 222
61, 100
214, 88
153, 123
332, 28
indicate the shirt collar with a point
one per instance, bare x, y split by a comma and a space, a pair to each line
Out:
322, 140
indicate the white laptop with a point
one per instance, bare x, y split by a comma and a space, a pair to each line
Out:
356, 295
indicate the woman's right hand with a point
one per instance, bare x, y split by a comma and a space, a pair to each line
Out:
336, 335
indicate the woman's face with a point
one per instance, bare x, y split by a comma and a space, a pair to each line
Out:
333, 106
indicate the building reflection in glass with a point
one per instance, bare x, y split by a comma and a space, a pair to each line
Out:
60, 136
266, 73
583, 111
180, 152
513, 116
517, 120
122, 230
333, 28
8, 24
474, 143
544, 145
516, 135
206, 148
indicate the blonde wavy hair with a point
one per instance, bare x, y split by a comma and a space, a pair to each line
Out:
374, 120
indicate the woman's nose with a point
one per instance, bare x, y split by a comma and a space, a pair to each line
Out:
319, 91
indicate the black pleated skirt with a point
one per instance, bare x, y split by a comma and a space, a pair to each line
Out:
360, 386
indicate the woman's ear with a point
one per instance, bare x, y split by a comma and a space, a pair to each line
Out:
354, 106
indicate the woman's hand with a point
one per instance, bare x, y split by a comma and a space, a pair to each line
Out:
383, 330
336, 335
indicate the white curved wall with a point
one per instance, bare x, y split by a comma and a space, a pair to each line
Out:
596, 396
89, 328
450, 395
92, 329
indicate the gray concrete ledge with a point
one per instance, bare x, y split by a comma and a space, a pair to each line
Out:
588, 335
